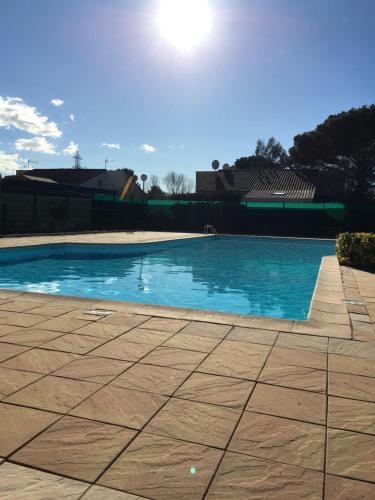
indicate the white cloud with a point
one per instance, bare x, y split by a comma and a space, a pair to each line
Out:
9, 163
57, 102
147, 148
36, 144
70, 149
15, 113
72, 117
110, 145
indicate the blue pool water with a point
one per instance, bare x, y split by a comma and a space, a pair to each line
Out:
248, 275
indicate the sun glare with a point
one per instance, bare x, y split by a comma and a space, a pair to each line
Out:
184, 23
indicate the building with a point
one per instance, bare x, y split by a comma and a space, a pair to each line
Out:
271, 184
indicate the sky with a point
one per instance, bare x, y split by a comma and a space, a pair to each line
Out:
102, 76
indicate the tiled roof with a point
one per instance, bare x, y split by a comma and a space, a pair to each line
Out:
260, 184
69, 176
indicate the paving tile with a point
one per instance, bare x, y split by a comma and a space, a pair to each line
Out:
165, 324
351, 454
330, 317
175, 358
278, 372
192, 342
17, 306
289, 403
353, 317
214, 389
364, 332
253, 335
207, 329
120, 348
335, 308
280, 439
103, 330
32, 337
101, 493
21, 425
200, 423
53, 394
75, 447
282, 325
351, 386
51, 310
146, 336
18, 482
340, 488
124, 319
22, 319
78, 344
10, 350
39, 361
99, 370
348, 364
243, 478
9, 294
305, 342
300, 357
163, 469
63, 324
352, 348
319, 328
236, 359
116, 405
351, 415
13, 380
150, 378
6, 329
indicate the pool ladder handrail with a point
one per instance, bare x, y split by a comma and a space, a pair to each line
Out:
208, 228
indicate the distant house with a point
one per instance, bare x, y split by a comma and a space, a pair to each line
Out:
271, 184
95, 178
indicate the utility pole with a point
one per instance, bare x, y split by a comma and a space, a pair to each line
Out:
106, 161
29, 162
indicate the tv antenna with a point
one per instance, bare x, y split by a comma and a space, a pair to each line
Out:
29, 162
106, 161
77, 160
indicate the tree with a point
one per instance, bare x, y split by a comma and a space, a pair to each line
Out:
270, 154
155, 192
346, 142
177, 184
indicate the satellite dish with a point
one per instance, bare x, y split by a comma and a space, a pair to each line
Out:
226, 166
215, 164
143, 177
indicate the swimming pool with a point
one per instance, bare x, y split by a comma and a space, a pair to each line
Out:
239, 274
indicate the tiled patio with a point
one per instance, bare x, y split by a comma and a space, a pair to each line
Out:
165, 403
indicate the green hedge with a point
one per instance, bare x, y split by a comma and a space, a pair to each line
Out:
356, 250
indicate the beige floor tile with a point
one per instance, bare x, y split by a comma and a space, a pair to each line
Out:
124, 319
236, 359
175, 358
351, 386
351, 415
348, 364
352, 348
103, 330
8, 351
165, 324
18, 306
52, 310
7, 329
120, 348
32, 337
151, 378
39, 361
200, 423
78, 344
146, 336
99, 370
280, 439
300, 357
192, 342
253, 335
21, 319
354, 317
289, 403
163, 469
340, 488
63, 324
305, 342
19, 425
243, 478
22, 483
102, 493
351, 454
278, 372
75, 447
119, 406
207, 329
282, 325
53, 394
213, 389
14, 380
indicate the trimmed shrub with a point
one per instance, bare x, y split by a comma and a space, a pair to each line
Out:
356, 250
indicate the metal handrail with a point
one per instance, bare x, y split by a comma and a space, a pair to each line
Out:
208, 228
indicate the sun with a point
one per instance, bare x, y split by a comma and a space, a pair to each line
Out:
184, 23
